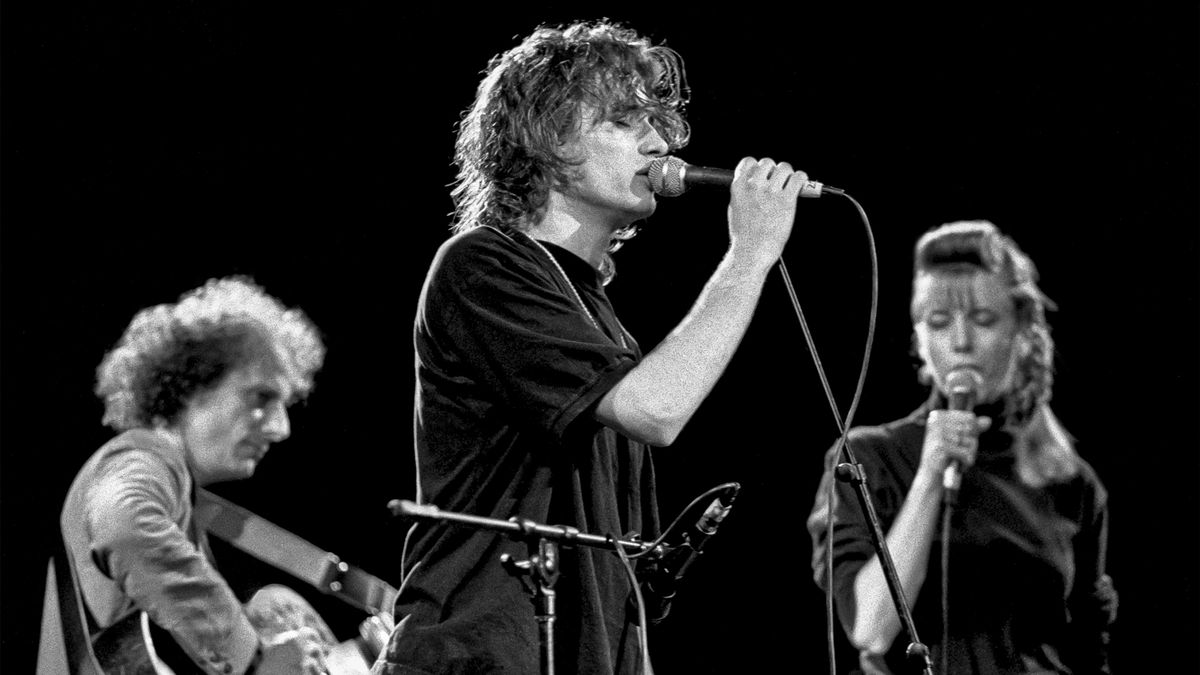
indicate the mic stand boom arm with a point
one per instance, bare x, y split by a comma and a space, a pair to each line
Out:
542, 565
852, 472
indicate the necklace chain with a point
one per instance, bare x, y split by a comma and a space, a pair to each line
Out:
571, 285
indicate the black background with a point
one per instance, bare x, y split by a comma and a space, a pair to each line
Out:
149, 147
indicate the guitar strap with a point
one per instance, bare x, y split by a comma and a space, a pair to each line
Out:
282, 549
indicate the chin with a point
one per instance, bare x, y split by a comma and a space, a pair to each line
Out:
245, 469
643, 210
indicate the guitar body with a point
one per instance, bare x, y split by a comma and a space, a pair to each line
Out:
136, 645
349, 658
132, 646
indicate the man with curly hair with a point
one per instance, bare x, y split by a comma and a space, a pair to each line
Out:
532, 399
198, 391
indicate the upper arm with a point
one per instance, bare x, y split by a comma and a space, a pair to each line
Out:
137, 523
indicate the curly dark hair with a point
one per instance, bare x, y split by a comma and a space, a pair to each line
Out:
170, 352
530, 101
968, 246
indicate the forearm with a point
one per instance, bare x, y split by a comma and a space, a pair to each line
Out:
876, 623
656, 399
183, 594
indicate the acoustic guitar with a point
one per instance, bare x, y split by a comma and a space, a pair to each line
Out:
136, 645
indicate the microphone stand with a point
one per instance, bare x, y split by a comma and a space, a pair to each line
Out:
541, 568
852, 472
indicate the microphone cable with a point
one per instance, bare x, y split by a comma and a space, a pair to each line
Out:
843, 427
678, 522
643, 630
947, 511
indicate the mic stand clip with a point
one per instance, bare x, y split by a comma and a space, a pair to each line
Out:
537, 575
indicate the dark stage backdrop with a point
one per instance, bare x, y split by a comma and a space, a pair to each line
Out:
149, 148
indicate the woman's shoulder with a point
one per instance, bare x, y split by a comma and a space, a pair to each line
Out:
892, 444
907, 428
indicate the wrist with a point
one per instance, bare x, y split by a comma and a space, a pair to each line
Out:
745, 263
927, 481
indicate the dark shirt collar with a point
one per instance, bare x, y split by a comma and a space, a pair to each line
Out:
579, 270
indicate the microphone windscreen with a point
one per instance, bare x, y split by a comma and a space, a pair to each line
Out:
962, 388
666, 176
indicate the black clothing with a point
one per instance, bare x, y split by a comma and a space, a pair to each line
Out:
509, 368
1025, 562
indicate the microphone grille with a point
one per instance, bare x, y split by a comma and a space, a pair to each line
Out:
964, 380
666, 176
962, 388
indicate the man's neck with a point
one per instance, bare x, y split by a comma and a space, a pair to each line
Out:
586, 237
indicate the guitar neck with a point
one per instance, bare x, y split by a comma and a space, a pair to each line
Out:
286, 551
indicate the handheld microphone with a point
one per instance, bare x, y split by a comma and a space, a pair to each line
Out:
660, 588
962, 388
671, 177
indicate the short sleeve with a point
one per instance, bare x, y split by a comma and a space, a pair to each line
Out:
851, 545
490, 314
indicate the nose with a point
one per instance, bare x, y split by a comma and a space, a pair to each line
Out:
963, 337
277, 426
653, 143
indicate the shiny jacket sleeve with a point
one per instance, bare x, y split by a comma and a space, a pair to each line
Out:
138, 513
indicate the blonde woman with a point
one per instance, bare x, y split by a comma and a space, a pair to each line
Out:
1026, 590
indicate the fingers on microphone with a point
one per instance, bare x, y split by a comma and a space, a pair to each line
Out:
765, 169
748, 166
781, 174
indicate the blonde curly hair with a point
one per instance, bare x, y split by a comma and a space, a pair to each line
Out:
170, 352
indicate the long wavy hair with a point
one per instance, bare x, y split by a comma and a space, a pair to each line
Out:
1045, 450
171, 352
530, 101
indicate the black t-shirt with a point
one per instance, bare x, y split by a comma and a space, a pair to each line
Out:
1024, 561
509, 367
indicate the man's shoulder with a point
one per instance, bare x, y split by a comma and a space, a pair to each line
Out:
136, 457
132, 470
143, 447
481, 253
475, 242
